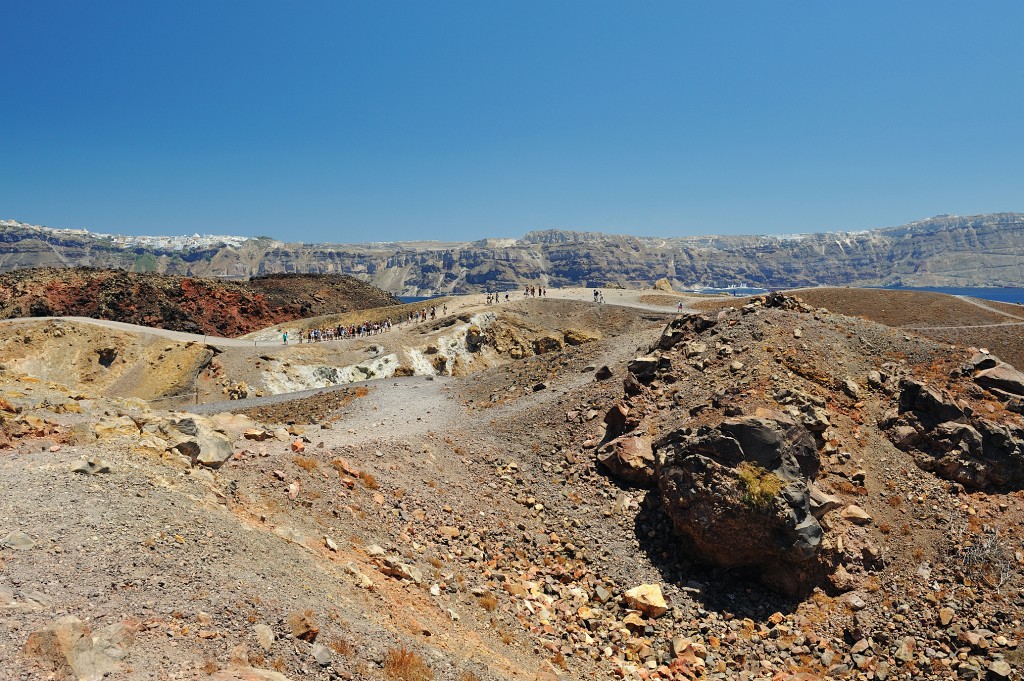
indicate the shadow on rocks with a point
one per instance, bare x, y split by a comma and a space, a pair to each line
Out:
732, 593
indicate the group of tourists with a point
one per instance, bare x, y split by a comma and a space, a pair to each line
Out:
423, 314
322, 334
367, 328
534, 291
598, 296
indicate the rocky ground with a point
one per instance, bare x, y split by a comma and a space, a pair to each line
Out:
763, 491
202, 306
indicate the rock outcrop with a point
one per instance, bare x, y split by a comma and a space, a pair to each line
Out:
738, 496
954, 441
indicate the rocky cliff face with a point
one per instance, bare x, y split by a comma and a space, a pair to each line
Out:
982, 250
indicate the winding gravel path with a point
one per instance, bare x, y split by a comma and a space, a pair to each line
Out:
215, 341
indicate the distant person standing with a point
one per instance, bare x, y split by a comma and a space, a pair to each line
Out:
284, 337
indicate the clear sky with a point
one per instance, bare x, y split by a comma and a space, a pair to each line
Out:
355, 121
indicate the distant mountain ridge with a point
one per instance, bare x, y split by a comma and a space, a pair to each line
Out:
948, 250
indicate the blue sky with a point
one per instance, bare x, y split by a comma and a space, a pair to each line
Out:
356, 121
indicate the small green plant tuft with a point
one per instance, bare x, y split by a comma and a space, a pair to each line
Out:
759, 485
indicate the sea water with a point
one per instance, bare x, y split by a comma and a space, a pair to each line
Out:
1001, 295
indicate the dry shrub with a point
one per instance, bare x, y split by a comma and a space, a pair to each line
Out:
306, 463
895, 501
885, 528
210, 666
489, 602
468, 676
278, 664
987, 558
559, 659
343, 647
918, 554
905, 530
507, 638
399, 493
369, 482
845, 487
402, 664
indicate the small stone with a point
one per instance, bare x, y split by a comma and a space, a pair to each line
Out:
298, 446
396, 567
907, 649
946, 616
854, 601
302, 625
842, 580
1000, 669
322, 655
17, 540
240, 656
851, 388
264, 636
91, 466
856, 515
329, 543
647, 598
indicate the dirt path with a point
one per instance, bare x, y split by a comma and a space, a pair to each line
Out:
182, 336
984, 306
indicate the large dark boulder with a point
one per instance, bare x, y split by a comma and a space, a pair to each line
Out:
738, 497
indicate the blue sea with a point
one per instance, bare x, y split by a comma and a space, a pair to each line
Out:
416, 299
1001, 295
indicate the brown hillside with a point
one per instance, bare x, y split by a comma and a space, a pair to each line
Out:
206, 306
941, 317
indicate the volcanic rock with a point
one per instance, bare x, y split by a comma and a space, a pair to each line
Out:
738, 496
629, 458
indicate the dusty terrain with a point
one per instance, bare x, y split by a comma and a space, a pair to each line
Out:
203, 306
485, 506
956, 320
